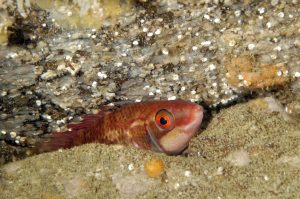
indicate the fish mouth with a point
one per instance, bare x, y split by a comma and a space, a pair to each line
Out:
158, 148
154, 143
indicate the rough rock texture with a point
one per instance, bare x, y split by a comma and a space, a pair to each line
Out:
247, 151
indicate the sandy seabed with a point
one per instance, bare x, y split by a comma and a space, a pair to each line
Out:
245, 152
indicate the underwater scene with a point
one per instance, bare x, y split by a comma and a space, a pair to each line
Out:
149, 99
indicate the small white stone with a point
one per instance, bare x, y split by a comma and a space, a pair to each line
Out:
179, 36
94, 84
193, 92
3, 132
182, 88
165, 51
194, 48
138, 100
269, 24
142, 21
297, 74
69, 13
145, 29
212, 67
266, 178
192, 69
231, 43
151, 93
285, 73
44, 25
158, 31
217, 20
204, 59
281, 14
279, 73
261, 10
116, 33
219, 171
158, 91
240, 77
278, 48
102, 75
206, 16
93, 36
273, 56
130, 167
251, 46
68, 58
64, 88
119, 64
150, 34
214, 84
237, 13
38, 102
206, 43
172, 98
175, 77
13, 134
187, 173
135, 42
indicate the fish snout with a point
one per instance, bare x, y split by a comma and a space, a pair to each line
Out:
196, 117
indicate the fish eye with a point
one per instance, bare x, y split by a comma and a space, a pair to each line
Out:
164, 119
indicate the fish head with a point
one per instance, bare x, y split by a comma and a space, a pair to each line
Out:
172, 125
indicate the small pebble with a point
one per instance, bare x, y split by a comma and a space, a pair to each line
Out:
135, 42
251, 46
130, 167
165, 51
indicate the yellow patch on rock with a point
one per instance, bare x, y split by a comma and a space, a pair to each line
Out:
244, 71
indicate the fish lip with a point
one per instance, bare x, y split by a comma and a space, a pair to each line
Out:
159, 148
155, 144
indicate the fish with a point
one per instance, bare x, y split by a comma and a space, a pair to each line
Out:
160, 125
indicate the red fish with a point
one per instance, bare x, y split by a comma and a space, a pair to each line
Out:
162, 126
